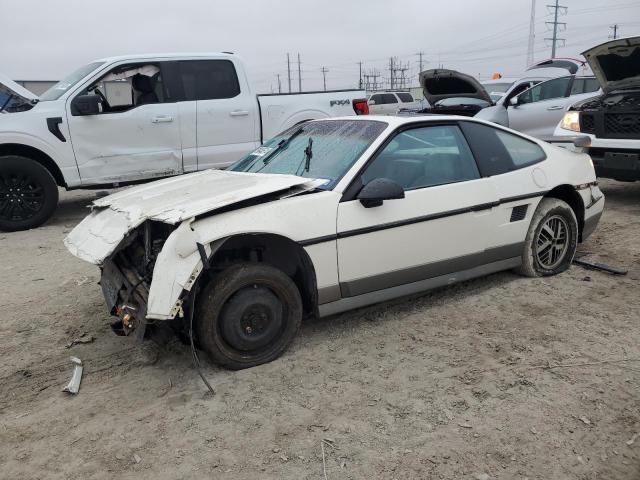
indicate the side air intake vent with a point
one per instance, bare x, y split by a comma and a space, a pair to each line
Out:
518, 213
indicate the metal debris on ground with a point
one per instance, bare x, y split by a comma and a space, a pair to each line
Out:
84, 338
600, 266
633, 439
74, 384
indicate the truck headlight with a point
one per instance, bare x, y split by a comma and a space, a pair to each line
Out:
571, 121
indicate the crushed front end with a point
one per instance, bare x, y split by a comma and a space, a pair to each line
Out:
126, 277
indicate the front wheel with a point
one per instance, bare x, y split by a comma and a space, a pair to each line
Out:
248, 315
28, 193
551, 241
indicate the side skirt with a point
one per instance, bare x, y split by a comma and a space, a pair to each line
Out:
378, 296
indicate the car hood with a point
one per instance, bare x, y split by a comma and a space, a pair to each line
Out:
172, 201
616, 64
439, 83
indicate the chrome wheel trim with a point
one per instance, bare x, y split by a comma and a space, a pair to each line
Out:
552, 242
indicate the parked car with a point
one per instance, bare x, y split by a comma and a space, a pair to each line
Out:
134, 118
498, 87
611, 119
537, 110
388, 103
333, 215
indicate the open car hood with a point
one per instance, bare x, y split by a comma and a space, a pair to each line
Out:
17, 88
172, 201
439, 83
616, 64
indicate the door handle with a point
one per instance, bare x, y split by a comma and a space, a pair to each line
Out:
239, 113
555, 107
162, 119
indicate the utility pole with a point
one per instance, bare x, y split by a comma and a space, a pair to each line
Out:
360, 69
324, 77
614, 27
279, 84
532, 33
299, 75
391, 73
554, 40
289, 72
420, 54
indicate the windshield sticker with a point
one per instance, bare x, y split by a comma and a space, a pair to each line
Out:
261, 152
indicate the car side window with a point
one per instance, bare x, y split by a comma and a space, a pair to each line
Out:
556, 88
389, 98
128, 86
405, 97
424, 157
498, 151
209, 79
377, 99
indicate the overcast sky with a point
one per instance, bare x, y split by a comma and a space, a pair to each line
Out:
47, 39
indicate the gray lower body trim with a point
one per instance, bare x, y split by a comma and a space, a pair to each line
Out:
590, 225
328, 294
409, 289
430, 270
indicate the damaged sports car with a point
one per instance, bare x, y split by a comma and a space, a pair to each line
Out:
333, 215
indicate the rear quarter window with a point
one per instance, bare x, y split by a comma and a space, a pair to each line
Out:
405, 97
497, 151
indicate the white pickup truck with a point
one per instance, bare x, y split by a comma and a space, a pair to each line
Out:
129, 119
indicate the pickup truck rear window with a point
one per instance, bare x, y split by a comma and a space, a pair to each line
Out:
324, 149
209, 79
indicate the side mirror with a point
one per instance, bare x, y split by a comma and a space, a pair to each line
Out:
379, 190
514, 101
372, 102
88, 104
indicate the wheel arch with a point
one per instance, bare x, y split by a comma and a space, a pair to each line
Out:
568, 194
36, 155
276, 250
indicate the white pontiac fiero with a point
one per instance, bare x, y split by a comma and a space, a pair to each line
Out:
333, 215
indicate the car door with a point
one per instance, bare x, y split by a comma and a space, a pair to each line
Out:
540, 108
440, 227
136, 135
225, 111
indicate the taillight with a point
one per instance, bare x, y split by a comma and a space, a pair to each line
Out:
360, 106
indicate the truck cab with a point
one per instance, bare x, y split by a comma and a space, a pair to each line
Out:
129, 119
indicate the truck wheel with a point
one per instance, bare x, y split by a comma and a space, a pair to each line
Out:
551, 240
28, 193
248, 315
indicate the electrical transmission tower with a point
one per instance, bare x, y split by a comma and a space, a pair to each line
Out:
279, 84
289, 72
397, 78
371, 80
557, 10
532, 33
360, 71
299, 75
421, 54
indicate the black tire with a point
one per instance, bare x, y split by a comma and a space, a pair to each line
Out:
28, 194
551, 241
247, 315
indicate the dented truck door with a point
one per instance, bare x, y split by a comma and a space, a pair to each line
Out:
136, 132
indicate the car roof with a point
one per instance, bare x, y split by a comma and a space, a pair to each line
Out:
145, 56
398, 120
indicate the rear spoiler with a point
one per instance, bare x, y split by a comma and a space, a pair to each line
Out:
578, 144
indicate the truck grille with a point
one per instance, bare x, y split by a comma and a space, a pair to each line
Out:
587, 123
622, 124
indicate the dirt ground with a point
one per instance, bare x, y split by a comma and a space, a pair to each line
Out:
502, 377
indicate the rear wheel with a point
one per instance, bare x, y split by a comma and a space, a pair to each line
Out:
551, 240
248, 315
28, 194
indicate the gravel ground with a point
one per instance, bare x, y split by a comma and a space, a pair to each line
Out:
502, 377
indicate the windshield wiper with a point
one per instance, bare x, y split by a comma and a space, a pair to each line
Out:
281, 145
308, 154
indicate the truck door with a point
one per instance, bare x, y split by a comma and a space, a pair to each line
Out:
136, 133
226, 111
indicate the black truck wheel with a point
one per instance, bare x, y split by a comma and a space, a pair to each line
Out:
28, 194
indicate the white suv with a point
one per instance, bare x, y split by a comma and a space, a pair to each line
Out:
388, 103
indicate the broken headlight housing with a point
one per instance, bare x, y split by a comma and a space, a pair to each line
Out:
571, 121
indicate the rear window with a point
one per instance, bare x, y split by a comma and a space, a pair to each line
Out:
405, 97
498, 151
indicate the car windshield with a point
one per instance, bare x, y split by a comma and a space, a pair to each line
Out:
10, 101
447, 102
497, 87
56, 91
334, 147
